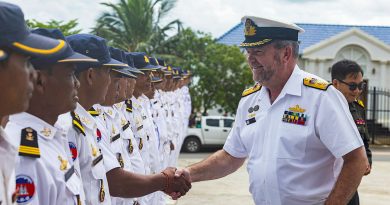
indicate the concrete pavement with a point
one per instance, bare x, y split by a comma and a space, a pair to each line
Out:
233, 189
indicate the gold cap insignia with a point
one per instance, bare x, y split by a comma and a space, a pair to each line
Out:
146, 59
296, 108
250, 29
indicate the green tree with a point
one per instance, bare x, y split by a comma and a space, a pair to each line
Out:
134, 25
67, 28
220, 71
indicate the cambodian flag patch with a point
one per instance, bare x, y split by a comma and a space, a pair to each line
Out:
26, 188
73, 150
98, 135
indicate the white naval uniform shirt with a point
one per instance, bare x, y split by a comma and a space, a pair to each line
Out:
129, 139
114, 123
8, 152
289, 163
91, 160
43, 180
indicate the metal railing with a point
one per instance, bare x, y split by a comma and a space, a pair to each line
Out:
378, 115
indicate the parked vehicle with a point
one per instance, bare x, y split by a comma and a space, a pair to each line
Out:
209, 131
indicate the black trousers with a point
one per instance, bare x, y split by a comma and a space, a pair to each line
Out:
355, 199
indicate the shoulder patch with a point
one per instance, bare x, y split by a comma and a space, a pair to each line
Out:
93, 112
129, 105
360, 103
316, 83
251, 90
29, 143
77, 123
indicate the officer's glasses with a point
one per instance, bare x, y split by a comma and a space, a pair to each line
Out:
353, 86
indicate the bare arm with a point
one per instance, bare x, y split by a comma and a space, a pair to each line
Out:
128, 185
354, 167
216, 166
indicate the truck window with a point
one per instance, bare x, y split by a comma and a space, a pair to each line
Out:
212, 122
228, 122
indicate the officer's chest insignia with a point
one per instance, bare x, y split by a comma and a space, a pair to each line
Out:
113, 130
120, 160
295, 115
125, 125
130, 147
251, 90
141, 144
129, 106
77, 123
73, 150
316, 83
251, 118
360, 122
94, 151
102, 193
93, 112
46, 132
29, 143
63, 163
26, 187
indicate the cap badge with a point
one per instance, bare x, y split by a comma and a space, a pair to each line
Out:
250, 29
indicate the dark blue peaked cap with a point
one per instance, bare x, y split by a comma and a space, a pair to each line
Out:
67, 56
141, 61
94, 47
15, 35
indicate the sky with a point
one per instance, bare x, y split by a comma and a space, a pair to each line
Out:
218, 16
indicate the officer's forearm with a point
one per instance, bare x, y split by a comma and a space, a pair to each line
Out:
128, 185
354, 167
216, 166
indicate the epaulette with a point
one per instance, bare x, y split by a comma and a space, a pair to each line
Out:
29, 143
77, 123
360, 103
316, 83
93, 112
251, 90
129, 105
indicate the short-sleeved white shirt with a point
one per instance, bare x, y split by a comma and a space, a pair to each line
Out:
291, 163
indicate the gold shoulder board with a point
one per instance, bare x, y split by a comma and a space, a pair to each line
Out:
251, 90
316, 83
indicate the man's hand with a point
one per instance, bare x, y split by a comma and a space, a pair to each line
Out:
178, 174
175, 185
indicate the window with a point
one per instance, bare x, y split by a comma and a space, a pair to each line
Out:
228, 122
212, 122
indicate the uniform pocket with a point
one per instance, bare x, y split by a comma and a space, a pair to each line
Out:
292, 141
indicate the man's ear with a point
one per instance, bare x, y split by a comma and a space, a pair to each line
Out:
335, 83
90, 75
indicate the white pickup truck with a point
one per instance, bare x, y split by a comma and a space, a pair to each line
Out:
211, 130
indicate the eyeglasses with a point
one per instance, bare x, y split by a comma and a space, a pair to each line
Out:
353, 86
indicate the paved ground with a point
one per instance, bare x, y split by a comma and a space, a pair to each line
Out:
232, 190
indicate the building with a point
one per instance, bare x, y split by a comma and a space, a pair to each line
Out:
322, 45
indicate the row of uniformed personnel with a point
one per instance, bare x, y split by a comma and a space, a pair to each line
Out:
88, 123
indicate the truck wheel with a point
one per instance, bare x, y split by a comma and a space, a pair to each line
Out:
192, 145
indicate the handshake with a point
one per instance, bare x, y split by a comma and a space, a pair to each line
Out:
177, 182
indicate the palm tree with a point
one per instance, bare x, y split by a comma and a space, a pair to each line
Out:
134, 25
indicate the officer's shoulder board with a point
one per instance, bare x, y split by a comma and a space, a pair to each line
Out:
129, 105
76, 122
316, 83
360, 103
93, 112
29, 143
251, 90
